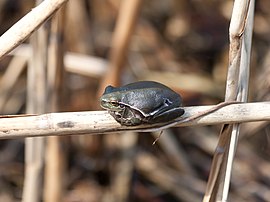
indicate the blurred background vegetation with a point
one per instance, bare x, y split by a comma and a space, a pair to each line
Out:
181, 43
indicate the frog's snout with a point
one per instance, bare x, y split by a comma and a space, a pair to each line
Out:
103, 104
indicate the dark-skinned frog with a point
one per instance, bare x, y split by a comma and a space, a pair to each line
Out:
143, 102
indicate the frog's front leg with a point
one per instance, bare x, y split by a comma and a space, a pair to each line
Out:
167, 116
127, 117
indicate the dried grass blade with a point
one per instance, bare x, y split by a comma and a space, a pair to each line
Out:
237, 88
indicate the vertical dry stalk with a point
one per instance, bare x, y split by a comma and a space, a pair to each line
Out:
54, 156
36, 95
76, 16
128, 14
242, 94
237, 87
237, 28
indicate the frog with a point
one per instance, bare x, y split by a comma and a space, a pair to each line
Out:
142, 102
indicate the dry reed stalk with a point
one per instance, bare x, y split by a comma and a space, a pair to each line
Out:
54, 167
76, 63
237, 87
78, 24
27, 25
85, 65
36, 103
128, 14
97, 122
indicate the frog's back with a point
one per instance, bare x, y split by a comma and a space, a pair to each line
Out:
143, 85
154, 97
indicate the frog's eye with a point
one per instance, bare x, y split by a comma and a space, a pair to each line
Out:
121, 105
114, 104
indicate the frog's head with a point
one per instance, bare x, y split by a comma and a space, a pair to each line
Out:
111, 100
